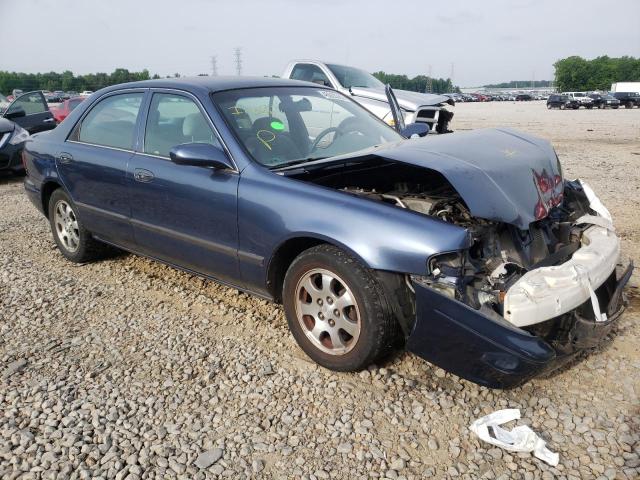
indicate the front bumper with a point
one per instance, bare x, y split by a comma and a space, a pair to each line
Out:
548, 292
10, 156
490, 351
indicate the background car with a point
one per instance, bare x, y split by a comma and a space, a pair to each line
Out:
12, 138
86, 93
628, 99
30, 111
369, 92
62, 111
604, 101
562, 102
523, 97
581, 97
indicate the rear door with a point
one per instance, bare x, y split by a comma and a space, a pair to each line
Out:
31, 112
94, 160
182, 214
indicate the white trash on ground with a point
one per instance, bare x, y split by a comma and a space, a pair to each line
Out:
520, 439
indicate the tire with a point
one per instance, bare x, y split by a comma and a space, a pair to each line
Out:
325, 277
628, 105
588, 107
73, 240
563, 106
549, 106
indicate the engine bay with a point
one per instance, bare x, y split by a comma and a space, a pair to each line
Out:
500, 253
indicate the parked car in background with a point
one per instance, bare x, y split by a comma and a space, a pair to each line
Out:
562, 102
53, 97
582, 98
523, 97
470, 249
86, 93
628, 99
30, 111
369, 92
604, 100
62, 111
18, 119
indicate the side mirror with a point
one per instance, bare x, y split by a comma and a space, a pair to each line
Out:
15, 112
200, 155
415, 129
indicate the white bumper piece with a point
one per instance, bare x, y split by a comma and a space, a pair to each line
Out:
547, 292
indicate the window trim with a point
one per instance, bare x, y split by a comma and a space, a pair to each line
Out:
203, 111
112, 93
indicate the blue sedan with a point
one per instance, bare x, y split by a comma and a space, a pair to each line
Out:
470, 249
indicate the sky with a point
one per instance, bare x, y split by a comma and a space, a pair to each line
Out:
480, 42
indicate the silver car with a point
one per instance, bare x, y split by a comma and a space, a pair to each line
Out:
369, 92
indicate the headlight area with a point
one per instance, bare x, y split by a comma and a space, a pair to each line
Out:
19, 135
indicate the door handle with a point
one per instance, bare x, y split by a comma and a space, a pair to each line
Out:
48, 120
142, 175
65, 158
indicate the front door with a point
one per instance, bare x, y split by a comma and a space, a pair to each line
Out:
31, 112
93, 165
183, 215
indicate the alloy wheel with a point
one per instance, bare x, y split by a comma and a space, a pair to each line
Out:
327, 311
66, 224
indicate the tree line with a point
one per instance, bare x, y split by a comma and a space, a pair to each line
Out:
419, 83
578, 74
67, 81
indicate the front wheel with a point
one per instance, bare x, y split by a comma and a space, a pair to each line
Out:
337, 310
72, 238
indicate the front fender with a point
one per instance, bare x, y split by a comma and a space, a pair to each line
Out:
273, 209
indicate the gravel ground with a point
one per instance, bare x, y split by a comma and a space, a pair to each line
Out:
126, 368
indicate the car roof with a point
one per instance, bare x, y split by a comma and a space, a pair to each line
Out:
213, 84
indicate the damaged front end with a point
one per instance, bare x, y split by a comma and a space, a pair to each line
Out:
522, 302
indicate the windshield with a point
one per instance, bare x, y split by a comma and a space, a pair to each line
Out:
285, 125
354, 77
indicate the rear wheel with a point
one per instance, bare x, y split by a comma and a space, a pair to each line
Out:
562, 107
337, 310
628, 105
72, 238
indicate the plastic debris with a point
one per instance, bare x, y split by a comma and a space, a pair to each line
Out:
520, 439
594, 202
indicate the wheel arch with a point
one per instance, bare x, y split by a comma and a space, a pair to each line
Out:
46, 191
286, 253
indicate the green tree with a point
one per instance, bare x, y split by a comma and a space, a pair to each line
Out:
577, 74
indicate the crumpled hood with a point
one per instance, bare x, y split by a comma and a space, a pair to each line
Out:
501, 174
407, 100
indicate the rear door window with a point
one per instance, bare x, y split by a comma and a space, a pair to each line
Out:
112, 122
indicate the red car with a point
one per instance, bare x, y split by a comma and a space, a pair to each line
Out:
62, 111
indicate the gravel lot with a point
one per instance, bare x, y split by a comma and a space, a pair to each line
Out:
129, 369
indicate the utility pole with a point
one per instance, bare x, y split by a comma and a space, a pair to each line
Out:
214, 65
429, 81
238, 54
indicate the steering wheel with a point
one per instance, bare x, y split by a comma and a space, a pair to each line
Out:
342, 129
321, 135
